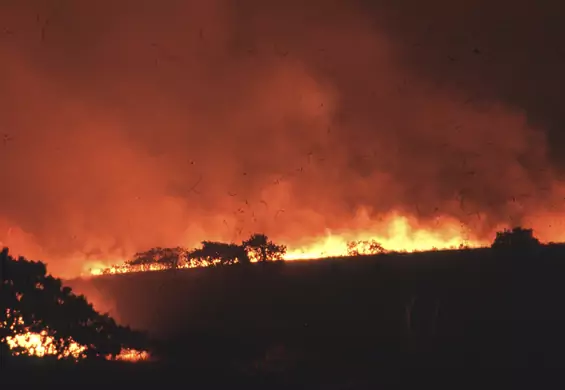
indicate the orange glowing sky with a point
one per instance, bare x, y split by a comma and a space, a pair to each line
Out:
134, 124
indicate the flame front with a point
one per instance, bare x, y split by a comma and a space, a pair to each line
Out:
397, 234
42, 344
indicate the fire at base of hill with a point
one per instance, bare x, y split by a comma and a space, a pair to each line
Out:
26, 343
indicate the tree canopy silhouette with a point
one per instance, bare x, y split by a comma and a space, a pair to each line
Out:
258, 247
166, 257
364, 247
517, 238
28, 293
261, 248
219, 253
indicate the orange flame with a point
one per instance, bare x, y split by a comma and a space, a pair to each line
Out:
397, 234
41, 344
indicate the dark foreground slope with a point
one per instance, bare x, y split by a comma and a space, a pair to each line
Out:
467, 307
349, 318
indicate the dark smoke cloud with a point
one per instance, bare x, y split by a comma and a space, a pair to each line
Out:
507, 51
141, 123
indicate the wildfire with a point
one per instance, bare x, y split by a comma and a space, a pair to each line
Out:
398, 235
42, 344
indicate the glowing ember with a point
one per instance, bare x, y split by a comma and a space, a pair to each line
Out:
132, 355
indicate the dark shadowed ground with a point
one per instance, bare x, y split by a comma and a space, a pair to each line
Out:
342, 320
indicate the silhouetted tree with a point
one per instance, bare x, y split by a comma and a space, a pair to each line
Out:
45, 304
517, 238
143, 259
172, 257
166, 257
260, 247
364, 247
221, 253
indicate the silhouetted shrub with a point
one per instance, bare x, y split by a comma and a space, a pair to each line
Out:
164, 257
364, 247
262, 249
211, 254
219, 253
515, 239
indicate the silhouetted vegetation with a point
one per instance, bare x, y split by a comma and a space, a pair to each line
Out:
167, 257
364, 247
219, 253
336, 319
258, 248
33, 301
515, 239
262, 249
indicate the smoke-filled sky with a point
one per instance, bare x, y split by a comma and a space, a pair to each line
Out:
132, 123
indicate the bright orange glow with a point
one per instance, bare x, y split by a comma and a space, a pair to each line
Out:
399, 234
42, 344
133, 355
163, 135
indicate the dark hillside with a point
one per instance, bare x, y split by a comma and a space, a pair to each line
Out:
450, 308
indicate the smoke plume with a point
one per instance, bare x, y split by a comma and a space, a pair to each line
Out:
129, 124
